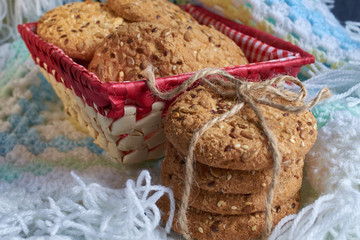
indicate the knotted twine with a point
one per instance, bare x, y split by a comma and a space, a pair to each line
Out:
245, 92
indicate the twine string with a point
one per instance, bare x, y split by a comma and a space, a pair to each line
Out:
244, 92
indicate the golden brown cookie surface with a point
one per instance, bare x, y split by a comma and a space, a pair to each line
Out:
227, 180
78, 28
134, 46
207, 226
160, 11
238, 142
228, 203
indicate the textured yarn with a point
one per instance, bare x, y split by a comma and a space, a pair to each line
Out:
345, 85
87, 212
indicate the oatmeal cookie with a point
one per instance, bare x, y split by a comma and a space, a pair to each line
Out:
78, 28
134, 46
237, 143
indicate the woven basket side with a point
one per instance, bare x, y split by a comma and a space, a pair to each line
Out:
127, 139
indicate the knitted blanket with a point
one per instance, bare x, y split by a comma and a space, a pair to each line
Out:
55, 183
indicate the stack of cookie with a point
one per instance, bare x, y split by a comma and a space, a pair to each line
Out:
233, 167
119, 39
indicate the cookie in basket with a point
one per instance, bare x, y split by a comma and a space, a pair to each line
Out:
227, 180
238, 142
134, 46
228, 203
208, 226
161, 11
78, 28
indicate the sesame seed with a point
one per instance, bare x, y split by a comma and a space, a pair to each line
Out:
263, 184
245, 146
138, 35
292, 140
201, 229
210, 217
244, 117
302, 144
281, 124
220, 203
233, 207
174, 67
248, 203
237, 145
229, 176
253, 228
121, 43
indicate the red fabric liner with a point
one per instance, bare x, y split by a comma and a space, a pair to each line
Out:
110, 98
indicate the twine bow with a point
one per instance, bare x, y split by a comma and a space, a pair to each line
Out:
245, 92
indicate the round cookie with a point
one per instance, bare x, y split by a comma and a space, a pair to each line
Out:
207, 226
227, 180
238, 142
134, 46
78, 28
161, 11
228, 203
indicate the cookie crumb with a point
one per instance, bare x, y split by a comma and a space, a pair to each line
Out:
221, 203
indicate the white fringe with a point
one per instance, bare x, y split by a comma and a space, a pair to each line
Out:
88, 212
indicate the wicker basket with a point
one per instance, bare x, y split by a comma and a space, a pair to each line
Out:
125, 118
